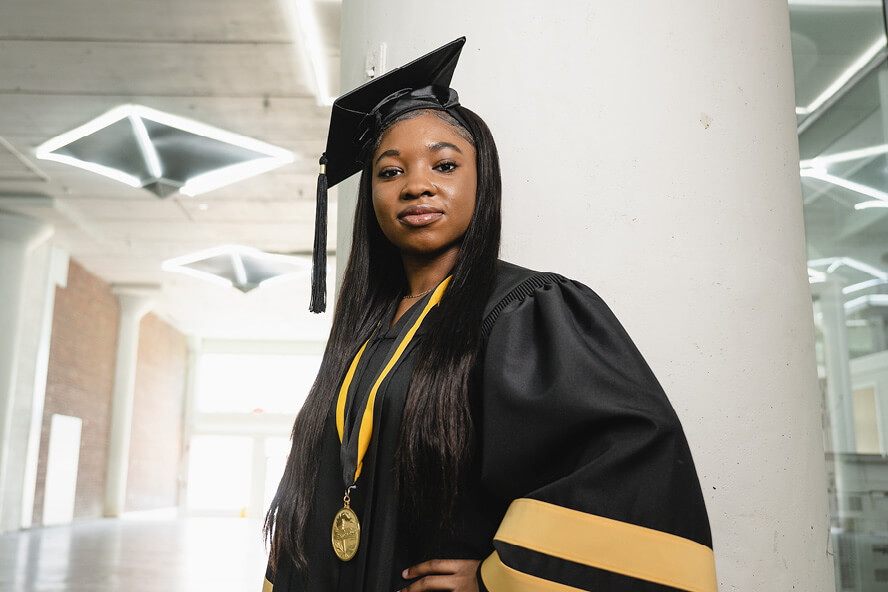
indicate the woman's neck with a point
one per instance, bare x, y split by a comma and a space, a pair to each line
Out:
423, 274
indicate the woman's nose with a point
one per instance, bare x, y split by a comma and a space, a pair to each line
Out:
417, 184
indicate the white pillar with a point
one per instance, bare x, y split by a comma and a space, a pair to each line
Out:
838, 367
649, 150
51, 272
19, 236
840, 406
195, 345
134, 304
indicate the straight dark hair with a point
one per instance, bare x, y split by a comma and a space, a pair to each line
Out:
437, 434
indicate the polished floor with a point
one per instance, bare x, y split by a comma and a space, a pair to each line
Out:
135, 555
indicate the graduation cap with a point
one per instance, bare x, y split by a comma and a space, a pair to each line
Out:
355, 122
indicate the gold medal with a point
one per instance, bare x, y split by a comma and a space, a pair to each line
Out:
346, 533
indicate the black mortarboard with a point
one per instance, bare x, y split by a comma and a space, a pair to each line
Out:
355, 122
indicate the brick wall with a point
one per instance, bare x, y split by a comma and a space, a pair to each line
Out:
80, 381
156, 440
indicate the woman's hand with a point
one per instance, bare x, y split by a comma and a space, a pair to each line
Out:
456, 575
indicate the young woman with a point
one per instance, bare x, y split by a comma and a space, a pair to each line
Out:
474, 425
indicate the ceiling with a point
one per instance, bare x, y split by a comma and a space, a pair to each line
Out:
241, 65
245, 66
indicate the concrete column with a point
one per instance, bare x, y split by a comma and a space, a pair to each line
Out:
19, 236
134, 304
849, 481
48, 273
838, 367
195, 345
649, 150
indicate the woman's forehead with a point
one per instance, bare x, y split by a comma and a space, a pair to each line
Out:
425, 129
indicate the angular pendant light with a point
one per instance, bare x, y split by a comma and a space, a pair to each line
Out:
244, 268
162, 153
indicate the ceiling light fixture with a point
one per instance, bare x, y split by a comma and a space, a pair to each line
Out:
844, 77
813, 171
837, 3
244, 268
308, 23
834, 263
822, 161
303, 23
858, 304
227, 175
815, 276
161, 152
145, 145
866, 205
821, 174
858, 287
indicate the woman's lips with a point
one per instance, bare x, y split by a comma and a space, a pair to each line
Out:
419, 215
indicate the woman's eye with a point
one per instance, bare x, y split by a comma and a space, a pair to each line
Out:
387, 173
446, 167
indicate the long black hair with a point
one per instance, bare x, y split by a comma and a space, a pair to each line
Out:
437, 434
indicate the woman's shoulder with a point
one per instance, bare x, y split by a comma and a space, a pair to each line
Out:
515, 283
510, 276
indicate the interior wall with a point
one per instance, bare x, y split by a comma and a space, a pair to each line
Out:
79, 382
156, 438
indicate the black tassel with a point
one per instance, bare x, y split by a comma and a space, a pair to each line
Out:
319, 256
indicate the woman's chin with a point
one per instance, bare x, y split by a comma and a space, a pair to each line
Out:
429, 252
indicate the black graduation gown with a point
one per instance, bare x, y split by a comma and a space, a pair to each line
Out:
583, 478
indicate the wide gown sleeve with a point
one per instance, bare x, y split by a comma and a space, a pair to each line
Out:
578, 434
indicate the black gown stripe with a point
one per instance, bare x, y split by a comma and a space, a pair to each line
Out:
499, 577
604, 543
573, 574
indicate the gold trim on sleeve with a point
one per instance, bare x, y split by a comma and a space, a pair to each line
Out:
603, 543
267, 586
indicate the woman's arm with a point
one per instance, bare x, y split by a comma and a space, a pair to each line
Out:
577, 432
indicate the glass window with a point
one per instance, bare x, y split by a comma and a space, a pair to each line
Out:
238, 383
841, 82
219, 473
276, 452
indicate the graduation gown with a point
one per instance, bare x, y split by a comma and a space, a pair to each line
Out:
582, 478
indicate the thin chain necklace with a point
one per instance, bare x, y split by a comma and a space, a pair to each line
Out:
421, 294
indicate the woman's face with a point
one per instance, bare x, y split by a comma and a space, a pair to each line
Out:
423, 186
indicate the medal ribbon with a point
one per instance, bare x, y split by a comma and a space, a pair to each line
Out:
366, 429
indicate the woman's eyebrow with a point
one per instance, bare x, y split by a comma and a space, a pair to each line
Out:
442, 145
434, 147
390, 152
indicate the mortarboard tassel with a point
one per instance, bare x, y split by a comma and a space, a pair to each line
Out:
319, 256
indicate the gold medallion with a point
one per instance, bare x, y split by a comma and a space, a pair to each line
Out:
346, 533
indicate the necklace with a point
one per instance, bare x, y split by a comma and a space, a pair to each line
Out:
410, 297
